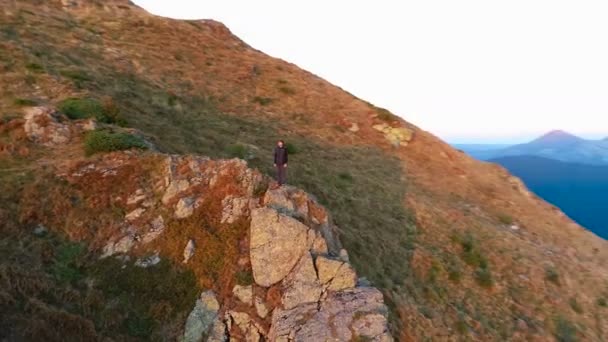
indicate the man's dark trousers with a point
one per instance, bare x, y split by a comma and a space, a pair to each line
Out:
281, 174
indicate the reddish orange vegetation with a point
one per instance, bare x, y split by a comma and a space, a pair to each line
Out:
448, 194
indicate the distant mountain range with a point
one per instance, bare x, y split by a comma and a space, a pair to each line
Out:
557, 145
580, 190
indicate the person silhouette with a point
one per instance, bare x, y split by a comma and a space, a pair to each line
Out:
280, 162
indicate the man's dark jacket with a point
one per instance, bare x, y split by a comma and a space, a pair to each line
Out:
280, 155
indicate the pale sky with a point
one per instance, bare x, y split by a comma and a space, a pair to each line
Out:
467, 70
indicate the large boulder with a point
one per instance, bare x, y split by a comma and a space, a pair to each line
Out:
277, 243
43, 127
353, 314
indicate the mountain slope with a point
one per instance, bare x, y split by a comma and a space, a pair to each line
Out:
578, 189
557, 145
268, 258
425, 223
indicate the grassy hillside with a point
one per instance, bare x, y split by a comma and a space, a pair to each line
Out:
427, 224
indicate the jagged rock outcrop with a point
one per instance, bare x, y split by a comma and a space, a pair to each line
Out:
48, 127
317, 292
317, 298
303, 287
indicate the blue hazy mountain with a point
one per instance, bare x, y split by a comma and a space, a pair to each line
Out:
557, 145
579, 190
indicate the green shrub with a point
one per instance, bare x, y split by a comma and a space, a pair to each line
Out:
602, 302
25, 102
172, 99
106, 141
34, 67
565, 331
345, 176
461, 326
10, 32
262, 100
76, 75
67, 264
287, 90
244, 277
552, 275
575, 305
382, 113
454, 273
433, 273
385, 115
471, 253
483, 276
237, 151
291, 148
467, 242
83, 108
505, 219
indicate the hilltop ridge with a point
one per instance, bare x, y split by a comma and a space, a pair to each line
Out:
460, 249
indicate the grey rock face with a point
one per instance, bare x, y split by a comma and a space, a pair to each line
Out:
302, 284
343, 316
202, 319
276, 245
335, 274
41, 126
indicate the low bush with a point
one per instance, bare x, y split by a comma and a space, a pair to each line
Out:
24, 102
67, 265
287, 90
34, 67
506, 219
484, 278
382, 113
76, 75
454, 273
83, 108
237, 151
565, 331
262, 100
291, 148
244, 277
345, 176
575, 305
107, 141
552, 275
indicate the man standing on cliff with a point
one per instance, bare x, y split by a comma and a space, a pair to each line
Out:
280, 161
